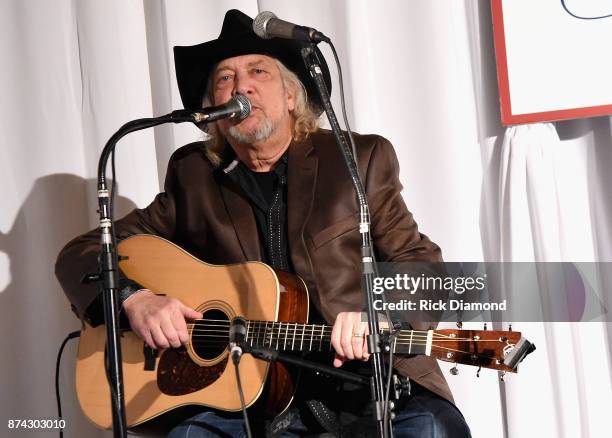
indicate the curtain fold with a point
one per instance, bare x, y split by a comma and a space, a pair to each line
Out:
543, 219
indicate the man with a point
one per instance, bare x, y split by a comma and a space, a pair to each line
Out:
273, 187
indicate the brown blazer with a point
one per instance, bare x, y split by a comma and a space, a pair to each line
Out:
207, 215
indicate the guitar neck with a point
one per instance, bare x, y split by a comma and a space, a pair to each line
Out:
292, 336
500, 350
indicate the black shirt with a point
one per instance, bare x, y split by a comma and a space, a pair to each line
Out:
267, 193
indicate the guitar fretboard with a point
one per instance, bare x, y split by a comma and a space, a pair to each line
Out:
292, 336
289, 336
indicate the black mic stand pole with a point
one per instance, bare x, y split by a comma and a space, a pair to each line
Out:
109, 266
368, 273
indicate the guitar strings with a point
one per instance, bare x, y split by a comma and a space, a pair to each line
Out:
283, 336
297, 327
257, 340
316, 338
298, 333
291, 326
327, 340
472, 354
308, 332
292, 340
311, 334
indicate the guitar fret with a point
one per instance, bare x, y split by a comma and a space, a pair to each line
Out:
311, 337
286, 336
246, 337
321, 340
302, 342
267, 333
410, 345
263, 329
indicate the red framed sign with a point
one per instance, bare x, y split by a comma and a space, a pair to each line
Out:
554, 59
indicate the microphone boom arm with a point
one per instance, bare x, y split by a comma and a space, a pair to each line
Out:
109, 263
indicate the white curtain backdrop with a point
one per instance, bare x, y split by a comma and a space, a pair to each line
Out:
419, 72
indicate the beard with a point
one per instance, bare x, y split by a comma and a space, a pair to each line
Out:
262, 132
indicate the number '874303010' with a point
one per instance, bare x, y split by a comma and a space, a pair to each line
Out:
36, 423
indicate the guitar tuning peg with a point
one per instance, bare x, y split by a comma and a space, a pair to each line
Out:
478, 372
502, 376
454, 370
510, 327
485, 326
459, 325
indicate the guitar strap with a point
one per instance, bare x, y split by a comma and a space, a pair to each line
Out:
281, 423
326, 418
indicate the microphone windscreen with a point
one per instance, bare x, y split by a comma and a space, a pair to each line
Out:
245, 106
260, 22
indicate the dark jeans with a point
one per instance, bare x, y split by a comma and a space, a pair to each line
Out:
422, 415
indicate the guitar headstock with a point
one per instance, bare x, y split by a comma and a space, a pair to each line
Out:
498, 350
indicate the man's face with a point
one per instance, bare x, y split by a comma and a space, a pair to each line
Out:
257, 77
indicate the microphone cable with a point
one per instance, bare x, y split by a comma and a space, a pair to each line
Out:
70, 336
393, 331
236, 361
386, 414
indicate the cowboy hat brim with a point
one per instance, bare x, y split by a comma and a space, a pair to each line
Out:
194, 64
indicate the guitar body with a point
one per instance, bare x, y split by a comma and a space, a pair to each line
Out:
201, 373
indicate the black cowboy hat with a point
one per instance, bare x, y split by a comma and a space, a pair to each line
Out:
194, 63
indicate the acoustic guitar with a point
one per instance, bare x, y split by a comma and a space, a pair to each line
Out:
275, 306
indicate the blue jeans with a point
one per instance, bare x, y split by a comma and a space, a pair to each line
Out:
422, 415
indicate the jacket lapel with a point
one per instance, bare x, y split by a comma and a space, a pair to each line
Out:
301, 179
243, 219
302, 175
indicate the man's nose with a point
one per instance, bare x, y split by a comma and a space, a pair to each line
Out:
243, 85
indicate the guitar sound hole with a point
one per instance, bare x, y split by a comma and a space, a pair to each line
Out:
210, 335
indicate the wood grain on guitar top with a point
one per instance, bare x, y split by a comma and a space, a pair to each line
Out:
252, 290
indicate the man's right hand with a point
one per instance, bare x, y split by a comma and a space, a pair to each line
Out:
159, 320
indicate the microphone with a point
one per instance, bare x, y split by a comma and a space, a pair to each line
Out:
237, 335
238, 107
266, 25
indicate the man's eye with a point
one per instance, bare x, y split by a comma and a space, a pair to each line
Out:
259, 71
224, 79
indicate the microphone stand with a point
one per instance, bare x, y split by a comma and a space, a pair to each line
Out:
373, 339
109, 264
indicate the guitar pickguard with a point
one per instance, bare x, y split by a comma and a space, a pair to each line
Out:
179, 375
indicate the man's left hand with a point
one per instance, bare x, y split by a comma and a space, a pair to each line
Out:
349, 338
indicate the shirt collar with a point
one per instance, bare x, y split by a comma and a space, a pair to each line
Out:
229, 161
